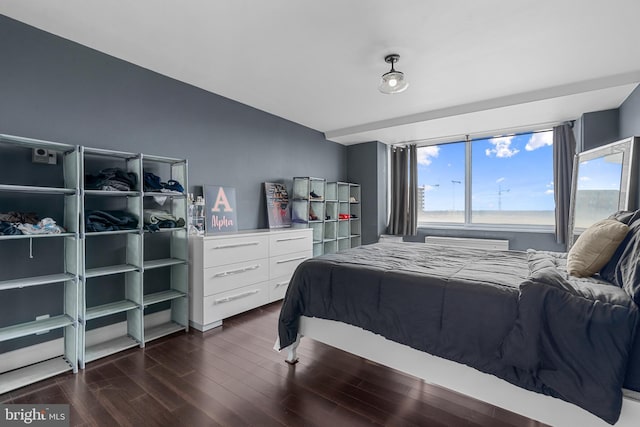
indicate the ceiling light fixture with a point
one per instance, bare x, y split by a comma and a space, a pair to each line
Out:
393, 81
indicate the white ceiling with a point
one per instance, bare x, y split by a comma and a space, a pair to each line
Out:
474, 67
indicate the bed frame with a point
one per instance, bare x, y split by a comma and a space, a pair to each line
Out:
456, 376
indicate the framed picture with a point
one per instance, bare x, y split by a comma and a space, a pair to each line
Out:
278, 209
220, 209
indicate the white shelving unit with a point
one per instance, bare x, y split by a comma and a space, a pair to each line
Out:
147, 277
355, 214
348, 203
166, 254
111, 279
114, 289
330, 232
51, 323
309, 212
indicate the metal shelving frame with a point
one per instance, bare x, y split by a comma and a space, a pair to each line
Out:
68, 320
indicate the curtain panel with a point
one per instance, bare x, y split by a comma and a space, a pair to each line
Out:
404, 191
564, 149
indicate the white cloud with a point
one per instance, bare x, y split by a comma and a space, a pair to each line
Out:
584, 178
539, 140
499, 180
425, 154
549, 188
502, 147
428, 187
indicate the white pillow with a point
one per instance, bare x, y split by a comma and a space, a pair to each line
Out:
595, 247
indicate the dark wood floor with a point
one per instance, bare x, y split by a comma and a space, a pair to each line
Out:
230, 376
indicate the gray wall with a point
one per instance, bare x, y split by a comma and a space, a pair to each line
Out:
367, 166
54, 89
630, 115
599, 128
57, 90
630, 120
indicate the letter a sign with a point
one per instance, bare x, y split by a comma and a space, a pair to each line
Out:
220, 203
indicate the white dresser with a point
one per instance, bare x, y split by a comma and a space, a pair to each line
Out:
235, 272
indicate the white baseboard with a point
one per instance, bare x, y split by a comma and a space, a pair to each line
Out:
48, 350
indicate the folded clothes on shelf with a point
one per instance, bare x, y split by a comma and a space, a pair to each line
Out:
9, 229
109, 220
14, 223
20, 217
111, 179
44, 226
152, 182
154, 219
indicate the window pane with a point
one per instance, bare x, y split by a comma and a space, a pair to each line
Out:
512, 179
441, 183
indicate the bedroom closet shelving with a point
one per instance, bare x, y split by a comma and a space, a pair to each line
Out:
331, 209
134, 284
37, 264
111, 280
308, 209
166, 255
73, 296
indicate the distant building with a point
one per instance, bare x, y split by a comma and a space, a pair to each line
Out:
421, 205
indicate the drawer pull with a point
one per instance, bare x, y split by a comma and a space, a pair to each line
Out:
278, 285
291, 238
291, 259
237, 271
236, 245
235, 297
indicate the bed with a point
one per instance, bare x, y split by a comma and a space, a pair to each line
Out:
482, 322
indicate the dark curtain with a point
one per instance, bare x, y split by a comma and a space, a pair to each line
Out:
564, 149
404, 191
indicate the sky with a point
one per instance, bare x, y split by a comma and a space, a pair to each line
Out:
603, 173
509, 173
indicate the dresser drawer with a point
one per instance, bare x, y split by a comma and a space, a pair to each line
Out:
231, 250
290, 242
278, 288
236, 275
220, 306
285, 265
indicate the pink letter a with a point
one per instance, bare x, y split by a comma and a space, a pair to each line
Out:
221, 199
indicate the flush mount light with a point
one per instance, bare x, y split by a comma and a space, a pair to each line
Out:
393, 81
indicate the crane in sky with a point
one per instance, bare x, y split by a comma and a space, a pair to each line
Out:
500, 191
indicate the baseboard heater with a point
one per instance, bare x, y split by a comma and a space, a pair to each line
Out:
465, 242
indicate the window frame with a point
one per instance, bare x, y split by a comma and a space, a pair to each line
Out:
468, 208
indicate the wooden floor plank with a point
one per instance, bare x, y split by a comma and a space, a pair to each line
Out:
230, 376
169, 399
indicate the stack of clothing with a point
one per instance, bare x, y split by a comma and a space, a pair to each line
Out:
155, 219
109, 220
153, 183
12, 223
112, 179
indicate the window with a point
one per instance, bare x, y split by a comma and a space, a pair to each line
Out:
441, 183
511, 181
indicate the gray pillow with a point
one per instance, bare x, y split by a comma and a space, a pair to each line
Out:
624, 267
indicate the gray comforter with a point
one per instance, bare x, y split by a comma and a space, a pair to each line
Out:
516, 315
